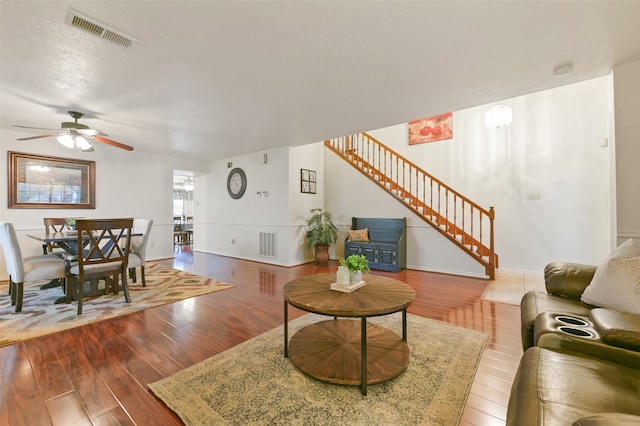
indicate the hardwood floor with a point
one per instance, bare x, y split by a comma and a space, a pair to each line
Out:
98, 374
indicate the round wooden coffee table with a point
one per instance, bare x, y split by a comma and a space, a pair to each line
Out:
345, 351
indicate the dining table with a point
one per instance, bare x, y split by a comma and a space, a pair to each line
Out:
68, 241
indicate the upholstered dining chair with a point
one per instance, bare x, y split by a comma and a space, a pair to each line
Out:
28, 269
107, 245
137, 257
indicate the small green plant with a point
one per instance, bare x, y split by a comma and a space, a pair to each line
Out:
356, 262
71, 222
320, 229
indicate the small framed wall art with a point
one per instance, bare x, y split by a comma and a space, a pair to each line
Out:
307, 181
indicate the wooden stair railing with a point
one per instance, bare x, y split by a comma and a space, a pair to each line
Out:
462, 221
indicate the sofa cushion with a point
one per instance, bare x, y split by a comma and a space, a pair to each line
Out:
608, 419
359, 235
616, 282
620, 329
552, 388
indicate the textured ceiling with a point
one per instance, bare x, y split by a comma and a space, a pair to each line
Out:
209, 80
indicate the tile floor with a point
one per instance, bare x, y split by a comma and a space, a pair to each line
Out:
509, 286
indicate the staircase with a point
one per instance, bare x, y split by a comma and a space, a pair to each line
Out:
459, 219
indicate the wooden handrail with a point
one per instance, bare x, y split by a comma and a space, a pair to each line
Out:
440, 183
454, 215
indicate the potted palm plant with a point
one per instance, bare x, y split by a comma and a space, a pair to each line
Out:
321, 233
357, 265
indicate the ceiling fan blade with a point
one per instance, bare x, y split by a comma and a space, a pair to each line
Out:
37, 137
35, 128
113, 143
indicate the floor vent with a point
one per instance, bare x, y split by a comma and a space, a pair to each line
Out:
267, 282
268, 244
96, 28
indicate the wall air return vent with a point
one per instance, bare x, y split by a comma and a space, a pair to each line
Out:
94, 27
268, 245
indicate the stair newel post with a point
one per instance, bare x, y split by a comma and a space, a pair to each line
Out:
492, 259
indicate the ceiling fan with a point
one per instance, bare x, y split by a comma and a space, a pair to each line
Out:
74, 134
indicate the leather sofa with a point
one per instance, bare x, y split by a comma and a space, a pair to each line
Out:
588, 378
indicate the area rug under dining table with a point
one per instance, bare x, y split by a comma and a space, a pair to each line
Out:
40, 316
252, 383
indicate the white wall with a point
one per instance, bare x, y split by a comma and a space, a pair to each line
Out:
128, 184
552, 148
310, 157
627, 140
231, 227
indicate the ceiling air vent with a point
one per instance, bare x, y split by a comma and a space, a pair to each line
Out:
94, 27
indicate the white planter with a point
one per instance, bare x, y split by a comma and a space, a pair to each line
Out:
356, 277
343, 276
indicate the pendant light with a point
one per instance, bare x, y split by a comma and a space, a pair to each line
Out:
497, 116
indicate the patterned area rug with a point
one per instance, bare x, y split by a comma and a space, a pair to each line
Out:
41, 316
253, 383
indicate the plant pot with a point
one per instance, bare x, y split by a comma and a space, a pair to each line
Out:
322, 255
356, 277
343, 277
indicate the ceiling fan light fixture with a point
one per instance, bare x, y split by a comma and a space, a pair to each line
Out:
188, 184
70, 131
66, 141
82, 143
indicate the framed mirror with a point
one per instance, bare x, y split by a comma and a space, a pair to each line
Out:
41, 182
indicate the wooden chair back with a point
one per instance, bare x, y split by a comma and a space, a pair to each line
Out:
53, 225
107, 243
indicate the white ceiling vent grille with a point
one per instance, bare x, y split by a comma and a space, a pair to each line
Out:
94, 27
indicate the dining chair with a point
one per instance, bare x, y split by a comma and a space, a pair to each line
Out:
28, 269
137, 257
107, 245
179, 233
53, 225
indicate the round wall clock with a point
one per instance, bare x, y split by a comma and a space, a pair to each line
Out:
236, 183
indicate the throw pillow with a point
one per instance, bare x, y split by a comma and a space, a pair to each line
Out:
361, 235
616, 283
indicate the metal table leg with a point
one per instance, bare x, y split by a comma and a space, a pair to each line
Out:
286, 329
404, 324
363, 351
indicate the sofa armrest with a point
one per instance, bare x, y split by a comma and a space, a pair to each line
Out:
616, 328
559, 342
568, 279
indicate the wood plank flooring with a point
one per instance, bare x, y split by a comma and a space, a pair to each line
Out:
98, 374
